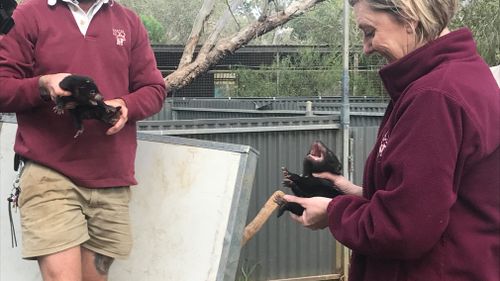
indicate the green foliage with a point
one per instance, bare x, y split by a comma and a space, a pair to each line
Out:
321, 25
307, 74
483, 18
366, 82
176, 17
156, 31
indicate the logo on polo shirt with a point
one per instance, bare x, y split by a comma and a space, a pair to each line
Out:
120, 36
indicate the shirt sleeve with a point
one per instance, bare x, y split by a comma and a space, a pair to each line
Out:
405, 218
19, 88
147, 88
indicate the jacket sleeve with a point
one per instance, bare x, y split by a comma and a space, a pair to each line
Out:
18, 88
147, 88
405, 218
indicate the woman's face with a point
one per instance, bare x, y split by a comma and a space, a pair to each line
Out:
382, 33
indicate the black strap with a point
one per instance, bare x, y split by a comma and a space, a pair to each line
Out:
17, 160
12, 202
14, 195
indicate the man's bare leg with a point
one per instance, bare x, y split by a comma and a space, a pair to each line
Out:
95, 267
62, 266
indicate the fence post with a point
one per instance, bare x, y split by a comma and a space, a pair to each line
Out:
309, 111
345, 118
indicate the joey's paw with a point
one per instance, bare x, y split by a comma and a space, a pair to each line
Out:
286, 176
59, 110
278, 199
282, 205
288, 183
286, 173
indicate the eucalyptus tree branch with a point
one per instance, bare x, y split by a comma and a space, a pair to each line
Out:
232, 14
221, 24
211, 56
203, 15
264, 10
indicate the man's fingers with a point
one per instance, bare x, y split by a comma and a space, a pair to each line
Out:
117, 127
113, 130
122, 118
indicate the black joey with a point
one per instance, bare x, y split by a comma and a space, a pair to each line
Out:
85, 102
319, 159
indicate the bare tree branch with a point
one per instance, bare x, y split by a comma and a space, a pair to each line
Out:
264, 10
204, 13
212, 38
232, 14
211, 56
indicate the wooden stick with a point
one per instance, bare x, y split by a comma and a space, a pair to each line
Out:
256, 224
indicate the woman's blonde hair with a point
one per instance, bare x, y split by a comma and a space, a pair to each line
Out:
431, 16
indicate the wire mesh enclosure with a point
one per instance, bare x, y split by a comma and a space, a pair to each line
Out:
274, 71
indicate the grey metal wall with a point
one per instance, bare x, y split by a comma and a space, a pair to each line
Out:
277, 103
7, 116
220, 108
282, 249
357, 118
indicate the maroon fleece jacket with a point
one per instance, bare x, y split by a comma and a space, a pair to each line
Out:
431, 201
115, 52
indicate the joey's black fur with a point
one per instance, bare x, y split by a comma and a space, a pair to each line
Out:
319, 159
7, 7
85, 102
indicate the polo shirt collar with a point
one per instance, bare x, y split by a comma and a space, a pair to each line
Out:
53, 2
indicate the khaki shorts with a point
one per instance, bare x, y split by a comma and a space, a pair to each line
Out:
57, 215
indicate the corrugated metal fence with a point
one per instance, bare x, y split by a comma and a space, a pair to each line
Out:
365, 111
